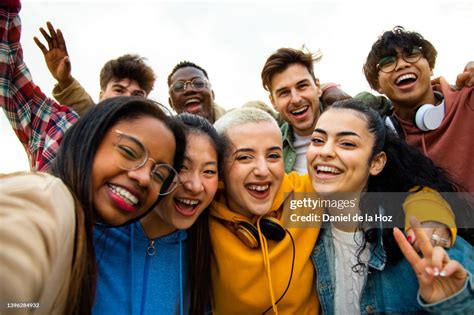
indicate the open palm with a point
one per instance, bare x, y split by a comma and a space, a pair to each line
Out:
56, 55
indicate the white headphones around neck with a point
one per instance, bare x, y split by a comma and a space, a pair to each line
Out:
429, 117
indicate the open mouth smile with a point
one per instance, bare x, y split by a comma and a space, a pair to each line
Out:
300, 112
186, 207
259, 191
326, 172
123, 198
406, 80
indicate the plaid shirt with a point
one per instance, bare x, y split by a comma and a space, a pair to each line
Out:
38, 121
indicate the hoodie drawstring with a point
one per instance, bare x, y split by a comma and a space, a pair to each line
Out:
425, 152
266, 261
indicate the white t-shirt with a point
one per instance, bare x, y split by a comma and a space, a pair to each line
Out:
301, 147
349, 284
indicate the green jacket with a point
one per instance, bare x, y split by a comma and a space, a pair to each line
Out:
289, 153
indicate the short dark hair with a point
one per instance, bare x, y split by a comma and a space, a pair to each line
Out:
280, 60
129, 66
387, 44
185, 64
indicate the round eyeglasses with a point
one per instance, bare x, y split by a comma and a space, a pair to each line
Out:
196, 83
388, 64
131, 154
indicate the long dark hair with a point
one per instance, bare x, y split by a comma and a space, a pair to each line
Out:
405, 169
73, 165
198, 234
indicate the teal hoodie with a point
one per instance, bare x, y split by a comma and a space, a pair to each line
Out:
137, 275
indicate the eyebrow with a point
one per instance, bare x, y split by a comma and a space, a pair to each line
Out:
339, 134
285, 87
187, 158
274, 148
243, 150
119, 85
184, 80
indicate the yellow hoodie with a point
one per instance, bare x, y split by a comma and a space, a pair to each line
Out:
239, 279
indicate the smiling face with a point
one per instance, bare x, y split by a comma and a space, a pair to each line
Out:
192, 100
199, 180
339, 157
295, 95
120, 195
408, 85
254, 167
124, 87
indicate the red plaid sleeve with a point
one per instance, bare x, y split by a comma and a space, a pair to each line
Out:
38, 121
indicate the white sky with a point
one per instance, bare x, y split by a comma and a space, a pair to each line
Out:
232, 39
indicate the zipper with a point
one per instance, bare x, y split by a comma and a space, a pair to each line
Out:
151, 250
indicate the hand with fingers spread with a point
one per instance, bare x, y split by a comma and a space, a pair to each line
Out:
438, 276
437, 233
56, 55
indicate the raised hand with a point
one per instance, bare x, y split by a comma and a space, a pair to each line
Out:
438, 276
467, 77
56, 55
464, 79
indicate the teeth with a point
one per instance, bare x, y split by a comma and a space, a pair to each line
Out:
299, 110
193, 100
125, 194
188, 201
406, 76
328, 169
258, 187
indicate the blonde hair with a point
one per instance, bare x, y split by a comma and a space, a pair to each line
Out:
242, 116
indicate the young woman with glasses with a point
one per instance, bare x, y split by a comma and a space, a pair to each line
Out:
161, 264
112, 166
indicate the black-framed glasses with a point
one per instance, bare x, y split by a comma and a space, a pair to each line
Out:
389, 63
196, 83
131, 154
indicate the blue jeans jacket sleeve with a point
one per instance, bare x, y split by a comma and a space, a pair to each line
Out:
459, 303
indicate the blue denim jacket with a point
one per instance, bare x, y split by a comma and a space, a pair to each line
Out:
391, 289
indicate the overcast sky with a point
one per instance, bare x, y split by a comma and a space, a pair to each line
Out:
232, 39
